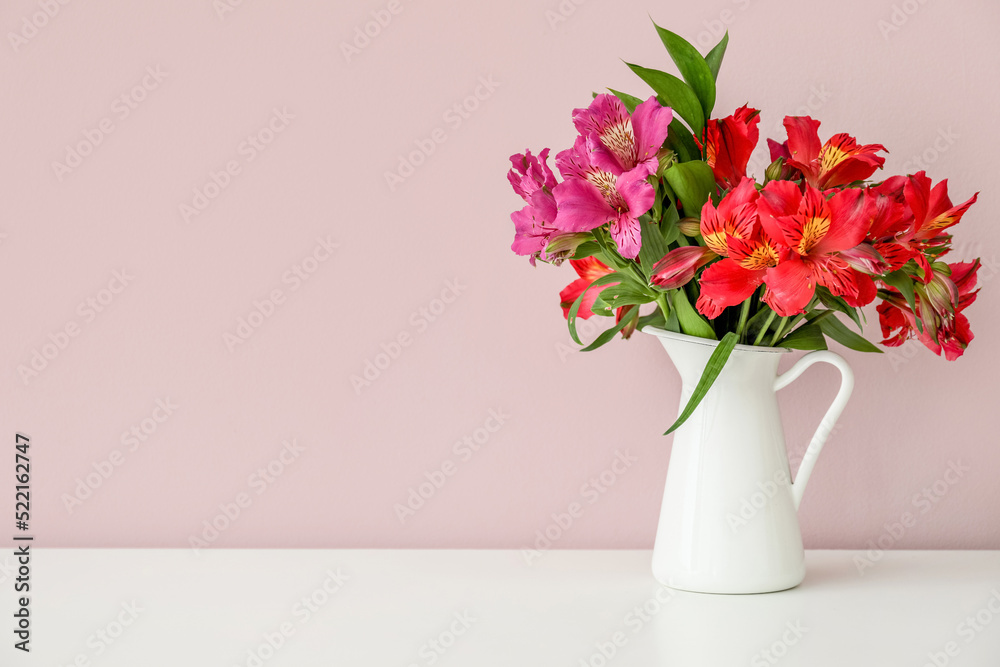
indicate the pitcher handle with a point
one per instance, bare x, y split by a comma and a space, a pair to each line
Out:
829, 419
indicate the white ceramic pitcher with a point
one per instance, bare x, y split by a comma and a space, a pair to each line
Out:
728, 523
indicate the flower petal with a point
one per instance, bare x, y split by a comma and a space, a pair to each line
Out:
725, 284
790, 286
851, 215
627, 235
778, 200
581, 207
650, 121
803, 139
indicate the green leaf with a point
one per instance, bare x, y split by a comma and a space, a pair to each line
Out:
714, 57
904, 283
715, 364
692, 66
693, 183
654, 319
692, 323
607, 335
653, 247
630, 101
575, 308
806, 337
681, 141
674, 93
624, 294
836, 303
836, 330
586, 249
668, 226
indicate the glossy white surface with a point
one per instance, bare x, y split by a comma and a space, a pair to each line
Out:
728, 521
493, 609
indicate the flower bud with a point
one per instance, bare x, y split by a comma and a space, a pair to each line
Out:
773, 171
690, 226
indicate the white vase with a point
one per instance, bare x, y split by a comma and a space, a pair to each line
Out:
729, 523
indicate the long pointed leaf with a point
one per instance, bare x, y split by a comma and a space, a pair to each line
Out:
714, 57
575, 308
674, 93
715, 364
692, 66
806, 337
607, 335
630, 101
691, 322
836, 330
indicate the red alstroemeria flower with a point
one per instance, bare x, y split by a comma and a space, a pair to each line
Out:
733, 231
732, 281
590, 269
930, 208
925, 213
841, 160
816, 229
734, 217
728, 144
945, 328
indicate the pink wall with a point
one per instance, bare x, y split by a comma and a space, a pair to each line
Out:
426, 262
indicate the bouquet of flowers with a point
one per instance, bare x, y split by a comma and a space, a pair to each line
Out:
655, 207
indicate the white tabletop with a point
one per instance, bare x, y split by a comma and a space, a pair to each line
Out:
142, 608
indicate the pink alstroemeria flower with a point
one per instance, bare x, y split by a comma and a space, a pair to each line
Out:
606, 169
618, 142
532, 179
591, 197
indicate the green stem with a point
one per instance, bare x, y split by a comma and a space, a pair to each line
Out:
767, 325
744, 313
780, 331
661, 301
